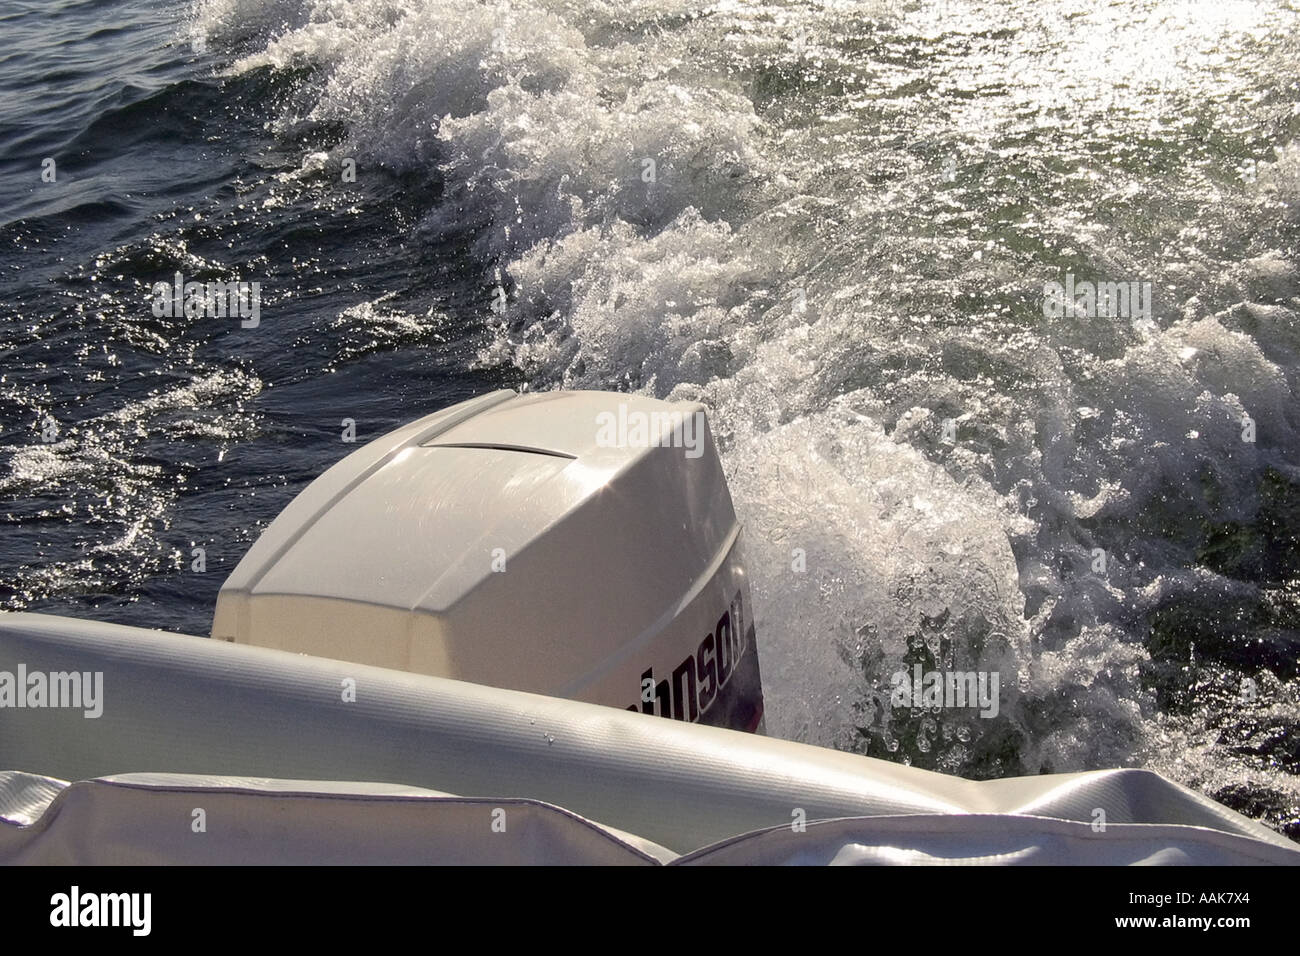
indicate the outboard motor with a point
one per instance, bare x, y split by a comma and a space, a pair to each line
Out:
574, 544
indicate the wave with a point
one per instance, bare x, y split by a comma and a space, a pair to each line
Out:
761, 208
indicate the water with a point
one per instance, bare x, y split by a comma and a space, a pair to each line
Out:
831, 222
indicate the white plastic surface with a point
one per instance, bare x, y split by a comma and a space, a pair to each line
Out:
504, 541
412, 769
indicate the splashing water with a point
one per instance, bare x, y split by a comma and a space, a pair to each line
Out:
833, 223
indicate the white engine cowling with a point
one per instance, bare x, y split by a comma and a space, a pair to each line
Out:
575, 544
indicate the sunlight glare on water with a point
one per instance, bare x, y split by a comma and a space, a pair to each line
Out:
843, 251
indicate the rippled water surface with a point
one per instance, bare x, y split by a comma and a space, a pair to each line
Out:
841, 247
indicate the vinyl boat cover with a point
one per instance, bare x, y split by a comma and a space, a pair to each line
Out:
208, 752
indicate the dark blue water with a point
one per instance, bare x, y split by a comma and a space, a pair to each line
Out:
830, 222
176, 433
